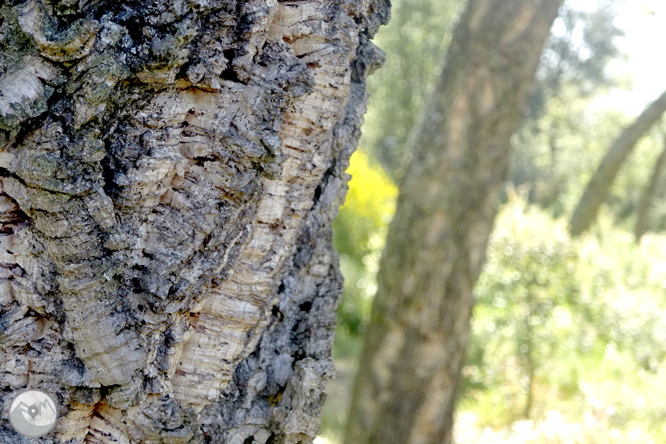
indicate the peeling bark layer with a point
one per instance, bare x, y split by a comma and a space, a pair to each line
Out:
168, 175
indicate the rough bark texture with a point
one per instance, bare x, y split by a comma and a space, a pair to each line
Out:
643, 210
168, 175
415, 344
599, 185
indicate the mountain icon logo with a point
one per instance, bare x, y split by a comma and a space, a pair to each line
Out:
33, 413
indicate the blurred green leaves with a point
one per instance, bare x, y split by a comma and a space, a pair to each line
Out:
525, 300
415, 41
360, 230
571, 326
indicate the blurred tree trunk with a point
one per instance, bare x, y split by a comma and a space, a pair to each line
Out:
599, 185
647, 195
415, 345
168, 175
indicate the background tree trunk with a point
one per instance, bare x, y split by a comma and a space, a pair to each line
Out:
597, 188
643, 210
415, 344
168, 175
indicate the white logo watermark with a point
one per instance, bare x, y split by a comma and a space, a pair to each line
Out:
33, 413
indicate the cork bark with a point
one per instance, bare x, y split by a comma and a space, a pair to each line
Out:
414, 350
169, 171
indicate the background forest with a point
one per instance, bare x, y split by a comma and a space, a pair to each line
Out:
568, 337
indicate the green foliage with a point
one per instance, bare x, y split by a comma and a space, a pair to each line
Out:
555, 156
360, 229
415, 42
582, 45
575, 325
524, 306
563, 138
565, 135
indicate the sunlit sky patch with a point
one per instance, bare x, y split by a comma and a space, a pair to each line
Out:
644, 24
